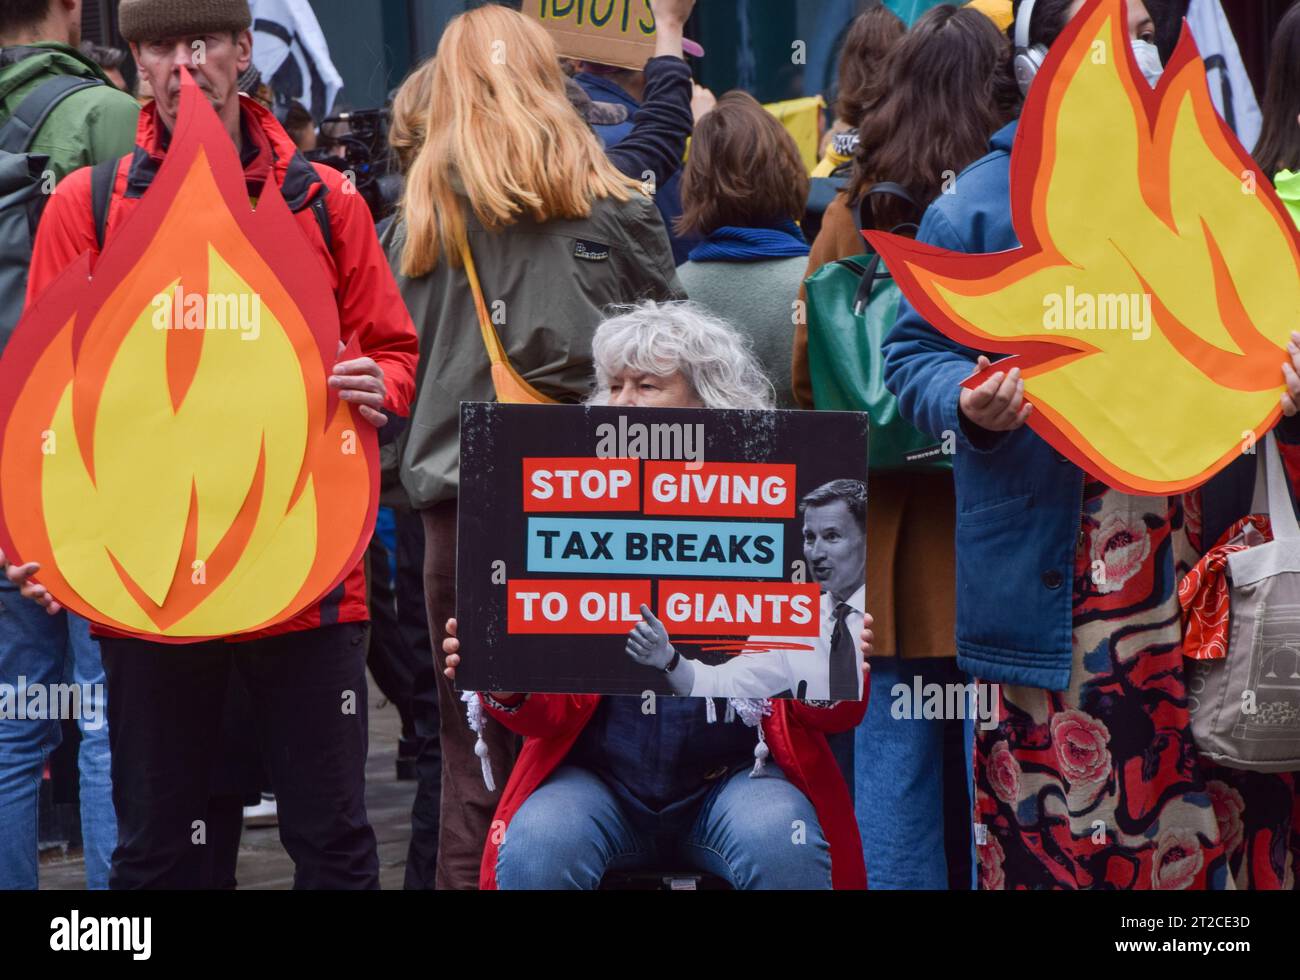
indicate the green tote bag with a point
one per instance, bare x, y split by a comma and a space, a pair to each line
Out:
852, 305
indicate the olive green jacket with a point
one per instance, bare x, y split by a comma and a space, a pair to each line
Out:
547, 285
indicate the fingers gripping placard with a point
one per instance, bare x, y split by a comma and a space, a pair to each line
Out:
583, 529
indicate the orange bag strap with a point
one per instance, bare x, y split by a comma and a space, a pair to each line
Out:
509, 385
491, 340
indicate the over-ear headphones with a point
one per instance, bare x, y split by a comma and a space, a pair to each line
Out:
1028, 59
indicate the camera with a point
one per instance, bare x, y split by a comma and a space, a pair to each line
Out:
356, 144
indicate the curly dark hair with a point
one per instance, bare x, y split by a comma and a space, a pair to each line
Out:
1279, 142
947, 90
867, 43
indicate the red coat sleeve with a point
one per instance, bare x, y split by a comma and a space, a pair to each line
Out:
370, 306
543, 715
66, 230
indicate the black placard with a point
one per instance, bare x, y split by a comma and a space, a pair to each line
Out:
570, 517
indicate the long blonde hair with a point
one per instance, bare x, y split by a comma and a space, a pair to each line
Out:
409, 115
501, 133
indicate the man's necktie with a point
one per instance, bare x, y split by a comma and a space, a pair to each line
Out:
844, 658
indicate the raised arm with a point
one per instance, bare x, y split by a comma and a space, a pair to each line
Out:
663, 124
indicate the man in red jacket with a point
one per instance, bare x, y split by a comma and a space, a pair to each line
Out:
307, 676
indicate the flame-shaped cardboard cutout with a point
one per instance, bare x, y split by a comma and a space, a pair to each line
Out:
180, 469
1159, 275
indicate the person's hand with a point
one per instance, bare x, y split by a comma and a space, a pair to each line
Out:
451, 647
361, 382
702, 102
648, 643
1291, 397
670, 22
674, 13
866, 642
21, 577
999, 403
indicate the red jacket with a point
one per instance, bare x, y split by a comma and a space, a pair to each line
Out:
796, 736
370, 307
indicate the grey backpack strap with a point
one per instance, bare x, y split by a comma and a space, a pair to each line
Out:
1259, 499
18, 133
1280, 512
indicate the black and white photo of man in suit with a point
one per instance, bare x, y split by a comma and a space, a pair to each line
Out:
835, 550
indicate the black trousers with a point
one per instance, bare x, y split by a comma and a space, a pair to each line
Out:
413, 624
393, 664
308, 692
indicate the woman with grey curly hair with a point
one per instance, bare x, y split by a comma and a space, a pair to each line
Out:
603, 785
650, 344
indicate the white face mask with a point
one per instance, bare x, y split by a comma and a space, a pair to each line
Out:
1148, 59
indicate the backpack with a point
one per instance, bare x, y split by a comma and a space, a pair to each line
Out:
852, 305
22, 190
1245, 707
103, 177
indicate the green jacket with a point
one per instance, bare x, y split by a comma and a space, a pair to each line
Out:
756, 297
1288, 188
88, 126
551, 285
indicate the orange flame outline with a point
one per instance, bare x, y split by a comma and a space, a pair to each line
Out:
915, 266
55, 330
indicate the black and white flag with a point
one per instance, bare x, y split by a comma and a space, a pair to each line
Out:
290, 51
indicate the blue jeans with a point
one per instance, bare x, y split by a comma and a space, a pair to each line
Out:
898, 782
38, 649
752, 833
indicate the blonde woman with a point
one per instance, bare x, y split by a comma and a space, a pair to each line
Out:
409, 112
557, 234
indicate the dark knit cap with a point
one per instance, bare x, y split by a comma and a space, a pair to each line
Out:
154, 20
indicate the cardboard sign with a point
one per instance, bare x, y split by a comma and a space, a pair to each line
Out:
736, 529
610, 32
169, 449
1158, 281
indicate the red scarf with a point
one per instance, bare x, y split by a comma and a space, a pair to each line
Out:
1203, 594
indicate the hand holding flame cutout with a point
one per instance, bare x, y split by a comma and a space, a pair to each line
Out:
175, 478
1150, 306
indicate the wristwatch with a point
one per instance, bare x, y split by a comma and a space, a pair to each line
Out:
672, 664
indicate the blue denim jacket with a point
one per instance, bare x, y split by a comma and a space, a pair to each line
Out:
1019, 501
